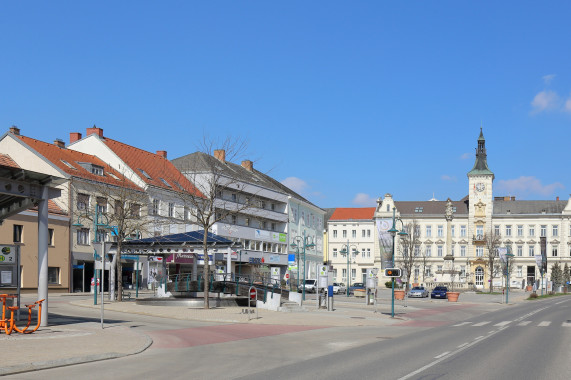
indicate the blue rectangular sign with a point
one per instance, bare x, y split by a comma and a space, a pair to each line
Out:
130, 257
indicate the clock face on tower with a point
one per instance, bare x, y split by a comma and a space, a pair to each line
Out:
480, 186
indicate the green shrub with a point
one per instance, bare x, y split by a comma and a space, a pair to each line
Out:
389, 284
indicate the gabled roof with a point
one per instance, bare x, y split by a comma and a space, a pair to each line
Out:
59, 156
410, 209
6, 160
53, 208
199, 162
361, 213
528, 207
156, 167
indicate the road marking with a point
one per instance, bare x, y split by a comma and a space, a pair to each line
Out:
441, 355
566, 324
503, 323
462, 324
544, 323
524, 323
482, 323
462, 345
559, 302
478, 338
491, 332
437, 361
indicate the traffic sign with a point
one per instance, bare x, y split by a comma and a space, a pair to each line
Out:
287, 276
252, 293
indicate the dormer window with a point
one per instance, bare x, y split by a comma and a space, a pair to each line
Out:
113, 176
145, 173
165, 182
97, 170
419, 209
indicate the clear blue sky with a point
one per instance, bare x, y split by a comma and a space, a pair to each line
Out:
346, 100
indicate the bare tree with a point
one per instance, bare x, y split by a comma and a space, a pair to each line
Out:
492, 242
121, 206
410, 248
221, 195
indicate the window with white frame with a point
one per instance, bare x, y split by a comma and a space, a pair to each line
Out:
344, 233
439, 268
555, 230
156, 206
531, 230
416, 271
543, 230
440, 231
363, 252
335, 273
452, 230
82, 201
368, 233
428, 271
554, 251
520, 230
82, 236
480, 231
344, 273
363, 232
334, 253
368, 252
428, 250
497, 230
463, 250
520, 250
479, 251
519, 270
462, 270
101, 205
509, 230
354, 234
353, 273
439, 250
334, 233
463, 231
428, 231
171, 210
531, 251
416, 250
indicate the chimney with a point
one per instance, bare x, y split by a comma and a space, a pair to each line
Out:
15, 130
94, 129
162, 153
59, 143
74, 136
220, 154
248, 165
557, 199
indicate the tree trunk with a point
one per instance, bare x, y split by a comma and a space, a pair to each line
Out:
112, 277
206, 271
119, 273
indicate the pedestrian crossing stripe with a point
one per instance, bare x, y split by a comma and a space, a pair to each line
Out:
505, 323
544, 323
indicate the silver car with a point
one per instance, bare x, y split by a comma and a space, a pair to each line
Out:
418, 292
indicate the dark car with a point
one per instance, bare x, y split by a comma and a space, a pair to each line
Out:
356, 285
439, 292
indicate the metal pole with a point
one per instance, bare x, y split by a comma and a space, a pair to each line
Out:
137, 279
95, 258
348, 268
303, 296
102, 279
508, 279
393, 279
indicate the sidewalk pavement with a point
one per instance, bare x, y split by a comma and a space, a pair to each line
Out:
74, 340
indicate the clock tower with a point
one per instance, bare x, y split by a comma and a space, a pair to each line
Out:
480, 180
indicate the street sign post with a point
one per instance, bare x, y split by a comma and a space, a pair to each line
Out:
253, 297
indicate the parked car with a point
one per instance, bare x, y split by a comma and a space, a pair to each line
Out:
338, 288
418, 291
439, 292
309, 285
355, 286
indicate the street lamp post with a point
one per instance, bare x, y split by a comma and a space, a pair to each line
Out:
345, 252
509, 255
393, 231
303, 243
96, 226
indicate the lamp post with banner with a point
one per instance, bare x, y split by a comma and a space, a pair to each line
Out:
302, 242
345, 252
393, 231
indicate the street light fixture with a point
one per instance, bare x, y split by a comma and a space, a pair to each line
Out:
345, 252
303, 243
393, 231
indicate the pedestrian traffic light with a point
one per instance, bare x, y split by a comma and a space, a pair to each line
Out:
393, 272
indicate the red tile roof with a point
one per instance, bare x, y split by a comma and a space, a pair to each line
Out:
58, 155
362, 213
157, 167
53, 208
6, 160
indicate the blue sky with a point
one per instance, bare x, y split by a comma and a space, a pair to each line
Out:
344, 101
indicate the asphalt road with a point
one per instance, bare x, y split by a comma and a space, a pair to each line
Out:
530, 340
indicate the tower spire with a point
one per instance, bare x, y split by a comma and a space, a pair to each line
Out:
481, 164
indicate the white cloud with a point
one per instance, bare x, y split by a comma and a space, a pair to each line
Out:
445, 177
525, 186
544, 101
465, 156
362, 199
296, 184
567, 107
548, 78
